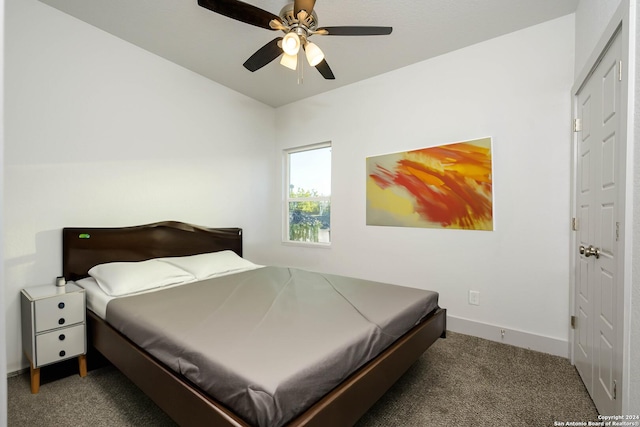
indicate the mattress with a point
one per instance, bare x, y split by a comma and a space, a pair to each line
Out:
269, 342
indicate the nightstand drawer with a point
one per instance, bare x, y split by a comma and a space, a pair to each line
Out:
59, 345
60, 310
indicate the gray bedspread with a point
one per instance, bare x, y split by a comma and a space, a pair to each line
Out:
268, 343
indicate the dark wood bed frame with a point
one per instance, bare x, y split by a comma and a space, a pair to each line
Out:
185, 403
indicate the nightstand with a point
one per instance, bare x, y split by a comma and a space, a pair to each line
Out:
53, 327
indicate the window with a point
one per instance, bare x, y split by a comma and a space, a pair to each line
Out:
307, 211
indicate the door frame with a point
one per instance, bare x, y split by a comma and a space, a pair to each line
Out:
621, 26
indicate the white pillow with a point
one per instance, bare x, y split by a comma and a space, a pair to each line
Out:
205, 266
122, 278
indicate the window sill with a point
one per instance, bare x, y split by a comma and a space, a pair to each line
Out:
307, 244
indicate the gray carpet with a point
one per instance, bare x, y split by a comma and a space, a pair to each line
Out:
459, 381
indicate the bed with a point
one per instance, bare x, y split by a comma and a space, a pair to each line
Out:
183, 396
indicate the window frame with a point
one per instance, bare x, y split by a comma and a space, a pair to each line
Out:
287, 199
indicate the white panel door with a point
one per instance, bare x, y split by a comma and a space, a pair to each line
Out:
598, 290
583, 337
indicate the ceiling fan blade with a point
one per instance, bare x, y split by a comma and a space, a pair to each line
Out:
240, 11
264, 55
306, 5
325, 70
354, 31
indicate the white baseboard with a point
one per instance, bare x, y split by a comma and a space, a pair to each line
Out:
18, 372
549, 345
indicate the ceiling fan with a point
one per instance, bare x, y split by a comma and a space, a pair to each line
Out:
299, 22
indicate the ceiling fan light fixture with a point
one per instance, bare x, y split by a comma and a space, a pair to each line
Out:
291, 44
314, 54
289, 61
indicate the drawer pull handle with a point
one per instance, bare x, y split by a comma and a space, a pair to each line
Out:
61, 321
61, 337
60, 305
62, 353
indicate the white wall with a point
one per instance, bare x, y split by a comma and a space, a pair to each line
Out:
634, 350
102, 133
3, 352
514, 88
592, 17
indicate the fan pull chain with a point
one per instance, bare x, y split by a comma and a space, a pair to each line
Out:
300, 69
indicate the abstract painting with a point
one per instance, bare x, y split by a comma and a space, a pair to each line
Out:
447, 186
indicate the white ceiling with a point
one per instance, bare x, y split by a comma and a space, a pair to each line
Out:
216, 46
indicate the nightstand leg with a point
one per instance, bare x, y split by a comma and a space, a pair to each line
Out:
82, 364
35, 379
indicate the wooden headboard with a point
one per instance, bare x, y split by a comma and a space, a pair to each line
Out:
82, 248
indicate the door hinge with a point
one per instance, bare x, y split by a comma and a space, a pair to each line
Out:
577, 125
615, 389
574, 224
617, 231
574, 321
619, 71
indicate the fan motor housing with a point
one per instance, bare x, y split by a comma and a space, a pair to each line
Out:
310, 21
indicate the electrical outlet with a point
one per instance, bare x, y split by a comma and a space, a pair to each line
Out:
474, 297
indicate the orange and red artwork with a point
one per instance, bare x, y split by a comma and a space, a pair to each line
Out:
447, 186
